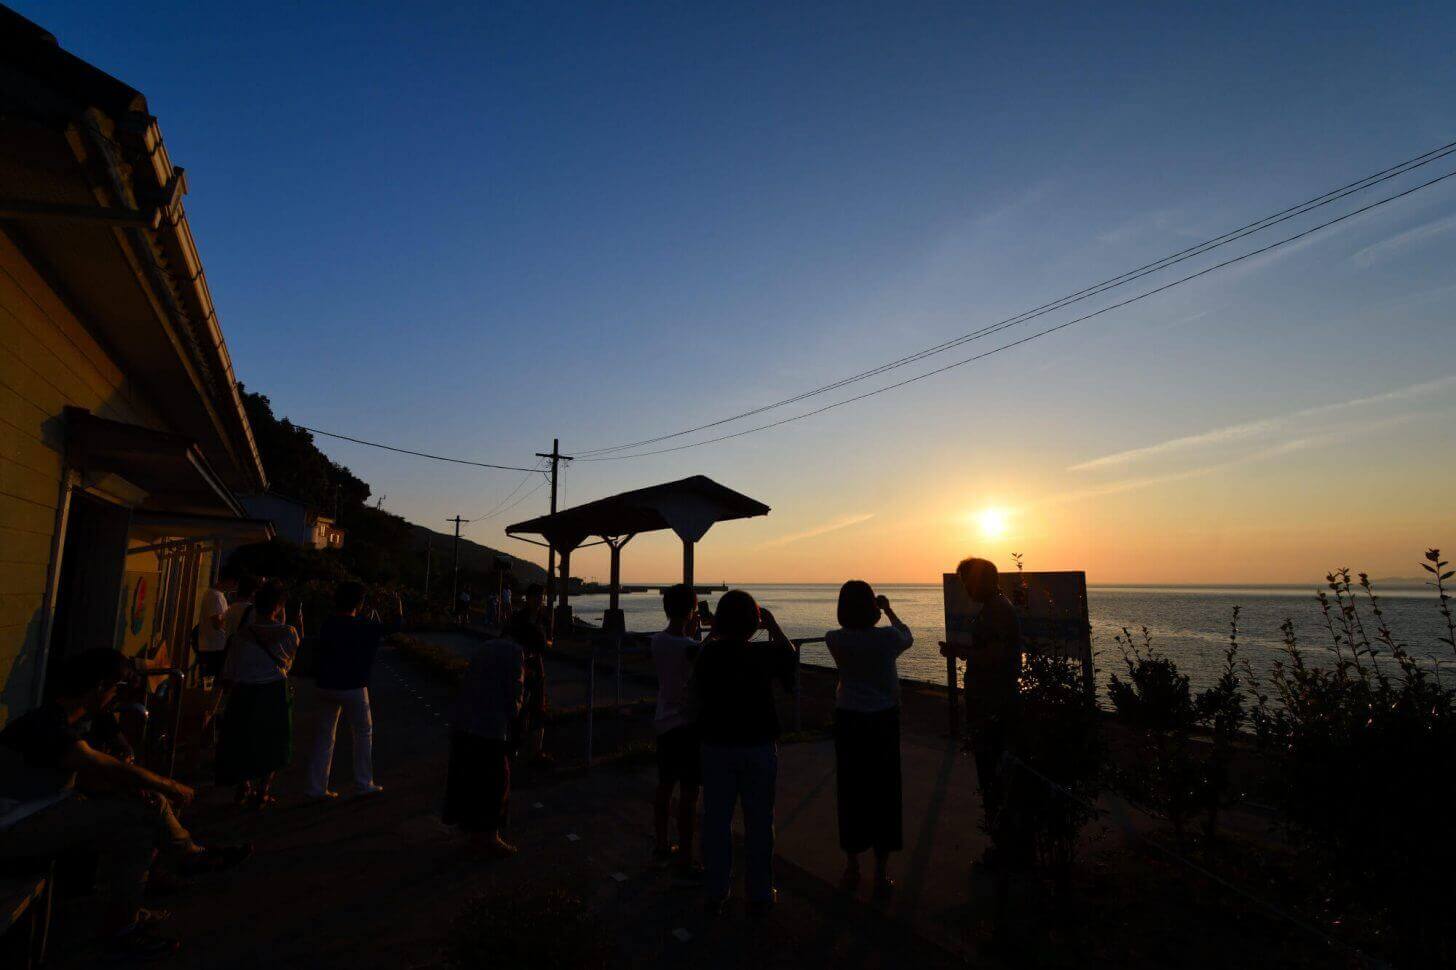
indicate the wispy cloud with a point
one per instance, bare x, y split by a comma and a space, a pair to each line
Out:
1258, 428
1388, 248
843, 522
1289, 446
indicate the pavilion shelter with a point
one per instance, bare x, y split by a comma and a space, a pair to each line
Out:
689, 507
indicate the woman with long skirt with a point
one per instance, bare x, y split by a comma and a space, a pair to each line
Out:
867, 730
255, 736
478, 780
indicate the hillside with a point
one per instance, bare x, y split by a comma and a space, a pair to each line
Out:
474, 556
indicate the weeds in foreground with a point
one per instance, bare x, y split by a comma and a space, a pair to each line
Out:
521, 928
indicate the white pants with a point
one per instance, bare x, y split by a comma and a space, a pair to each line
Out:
355, 705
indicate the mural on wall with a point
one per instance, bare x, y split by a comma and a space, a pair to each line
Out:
138, 609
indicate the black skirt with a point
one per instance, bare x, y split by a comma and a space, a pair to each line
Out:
255, 737
867, 759
478, 783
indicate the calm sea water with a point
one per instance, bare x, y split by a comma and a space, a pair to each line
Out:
1188, 624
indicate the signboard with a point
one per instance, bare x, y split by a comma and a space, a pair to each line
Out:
1052, 608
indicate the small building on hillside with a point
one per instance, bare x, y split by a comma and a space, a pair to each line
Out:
123, 439
294, 520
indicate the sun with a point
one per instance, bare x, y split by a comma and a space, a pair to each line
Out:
993, 522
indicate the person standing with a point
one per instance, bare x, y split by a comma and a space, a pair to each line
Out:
993, 675
739, 726
478, 780
343, 665
528, 628
256, 738
679, 758
867, 730
212, 631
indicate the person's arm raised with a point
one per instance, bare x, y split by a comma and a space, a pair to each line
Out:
102, 769
907, 639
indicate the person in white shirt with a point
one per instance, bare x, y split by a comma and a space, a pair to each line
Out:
679, 763
211, 633
867, 729
256, 738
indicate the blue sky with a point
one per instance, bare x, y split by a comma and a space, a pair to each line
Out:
469, 228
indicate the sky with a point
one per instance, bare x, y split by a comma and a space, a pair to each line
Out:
469, 228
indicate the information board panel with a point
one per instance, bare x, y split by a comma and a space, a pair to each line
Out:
1052, 607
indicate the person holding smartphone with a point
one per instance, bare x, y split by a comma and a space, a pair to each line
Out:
867, 730
739, 727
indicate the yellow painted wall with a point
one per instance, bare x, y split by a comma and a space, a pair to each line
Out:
47, 361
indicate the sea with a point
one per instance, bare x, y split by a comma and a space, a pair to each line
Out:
1188, 624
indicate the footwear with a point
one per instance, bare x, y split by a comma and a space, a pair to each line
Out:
662, 858
687, 874
153, 917
322, 796
759, 908
884, 887
215, 859
372, 789
138, 944
498, 848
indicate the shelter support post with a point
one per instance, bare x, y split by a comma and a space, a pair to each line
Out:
688, 563
563, 609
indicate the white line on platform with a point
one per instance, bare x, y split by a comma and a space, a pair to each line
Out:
619, 876
572, 837
537, 805
681, 935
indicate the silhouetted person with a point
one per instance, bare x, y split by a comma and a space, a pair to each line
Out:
679, 755
343, 665
993, 673
68, 796
733, 684
528, 629
478, 785
867, 729
256, 733
212, 630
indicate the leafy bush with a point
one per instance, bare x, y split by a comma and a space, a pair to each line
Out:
1053, 774
521, 928
1365, 763
438, 661
1156, 703
1173, 774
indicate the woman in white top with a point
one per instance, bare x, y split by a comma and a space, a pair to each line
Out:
256, 734
867, 729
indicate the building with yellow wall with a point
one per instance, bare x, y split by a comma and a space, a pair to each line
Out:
123, 440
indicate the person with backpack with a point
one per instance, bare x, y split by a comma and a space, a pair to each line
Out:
343, 664
256, 737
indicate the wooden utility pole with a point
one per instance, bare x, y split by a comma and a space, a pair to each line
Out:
556, 457
455, 563
429, 558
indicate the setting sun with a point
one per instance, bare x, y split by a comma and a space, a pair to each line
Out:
992, 522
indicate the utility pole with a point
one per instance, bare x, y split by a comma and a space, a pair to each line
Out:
556, 457
455, 563
429, 558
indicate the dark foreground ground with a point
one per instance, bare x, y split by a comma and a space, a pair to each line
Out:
379, 882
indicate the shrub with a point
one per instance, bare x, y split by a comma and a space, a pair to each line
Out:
1052, 777
1365, 764
1156, 704
521, 928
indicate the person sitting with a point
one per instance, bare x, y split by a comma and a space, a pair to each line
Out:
478, 779
64, 795
867, 729
739, 726
679, 759
256, 733
347, 646
528, 628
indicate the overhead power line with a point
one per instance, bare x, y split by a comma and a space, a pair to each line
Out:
1302, 208
502, 505
417, 454
1042, 333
